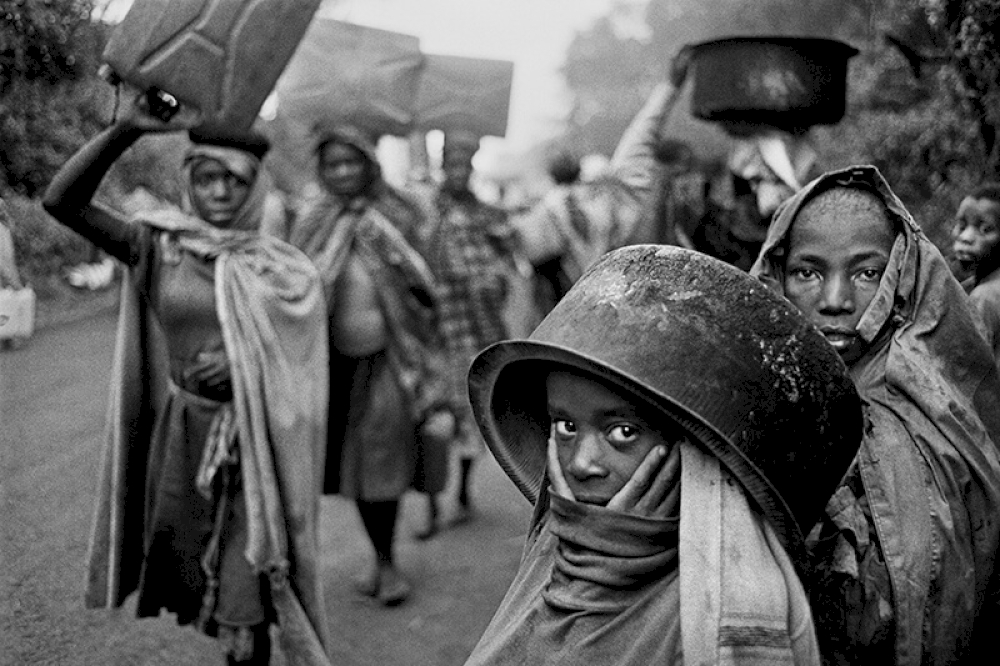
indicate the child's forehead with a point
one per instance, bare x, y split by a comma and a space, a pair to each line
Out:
581, 386
981, 206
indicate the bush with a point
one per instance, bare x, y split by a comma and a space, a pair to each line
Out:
50, 99
914, 133
43, 247
43, 124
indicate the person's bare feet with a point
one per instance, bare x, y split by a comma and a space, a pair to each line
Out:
393, 587
428, 532
369, 584
464, 513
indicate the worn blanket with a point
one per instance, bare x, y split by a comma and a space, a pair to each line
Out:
330, 231
601, 586
928, 462
742, 603
271, 308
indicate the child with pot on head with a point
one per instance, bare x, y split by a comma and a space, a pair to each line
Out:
974, 240
662, 419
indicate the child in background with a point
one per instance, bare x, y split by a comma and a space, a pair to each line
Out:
974, 239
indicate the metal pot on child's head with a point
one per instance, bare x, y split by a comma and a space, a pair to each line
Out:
791, 83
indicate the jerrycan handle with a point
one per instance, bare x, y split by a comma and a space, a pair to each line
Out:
162, 105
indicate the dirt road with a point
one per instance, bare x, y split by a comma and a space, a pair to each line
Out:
52, 403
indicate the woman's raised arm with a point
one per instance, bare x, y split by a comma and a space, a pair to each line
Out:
69, 196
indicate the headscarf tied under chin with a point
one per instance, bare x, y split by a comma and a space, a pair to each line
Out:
247, 166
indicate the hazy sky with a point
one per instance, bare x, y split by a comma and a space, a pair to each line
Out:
534, 34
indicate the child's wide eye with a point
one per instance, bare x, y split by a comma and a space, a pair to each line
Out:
624, 433
563, 428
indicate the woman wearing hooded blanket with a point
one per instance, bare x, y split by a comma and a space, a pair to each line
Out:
661, 419
208, 495
905, 552
388, 392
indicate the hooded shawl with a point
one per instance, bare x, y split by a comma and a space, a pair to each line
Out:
270, 305
330, 229
263, 210
928, 461
376, 227
712, 587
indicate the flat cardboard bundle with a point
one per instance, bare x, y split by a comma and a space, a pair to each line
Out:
347, 73
471, 94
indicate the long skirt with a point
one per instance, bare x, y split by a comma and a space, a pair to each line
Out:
375, 452
194, 564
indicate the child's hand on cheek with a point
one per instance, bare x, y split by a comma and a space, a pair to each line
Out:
556, 478
654, 487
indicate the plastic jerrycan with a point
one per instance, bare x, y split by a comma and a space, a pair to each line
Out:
221, 56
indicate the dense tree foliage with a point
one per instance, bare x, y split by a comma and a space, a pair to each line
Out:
50, 99
606, 70
924, 94
970, 29
42, 39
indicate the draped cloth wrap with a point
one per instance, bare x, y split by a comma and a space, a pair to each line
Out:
928, 460
741, 600
329, 231
273, 319
597, 585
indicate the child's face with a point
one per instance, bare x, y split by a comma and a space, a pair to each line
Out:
837, 253
976, 231
601, 435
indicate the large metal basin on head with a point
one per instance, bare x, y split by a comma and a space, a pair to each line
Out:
785, 82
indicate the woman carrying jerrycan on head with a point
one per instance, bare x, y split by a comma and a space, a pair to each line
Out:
209, 491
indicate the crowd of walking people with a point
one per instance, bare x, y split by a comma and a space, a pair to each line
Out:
762, 428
